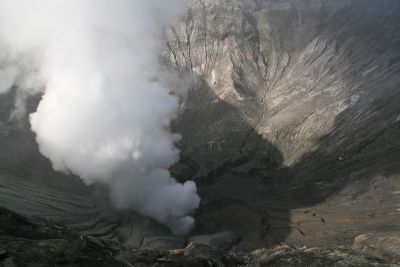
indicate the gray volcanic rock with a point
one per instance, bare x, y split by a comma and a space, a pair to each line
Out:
39, 242
290, 256
293, 128
223, 240
380, 245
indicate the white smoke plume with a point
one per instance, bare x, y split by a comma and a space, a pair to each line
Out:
102, 115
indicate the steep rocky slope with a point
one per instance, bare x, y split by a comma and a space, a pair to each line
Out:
292, 130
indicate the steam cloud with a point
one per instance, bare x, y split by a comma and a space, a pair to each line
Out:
101, 116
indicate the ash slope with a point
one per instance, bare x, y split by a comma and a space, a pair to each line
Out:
292, 131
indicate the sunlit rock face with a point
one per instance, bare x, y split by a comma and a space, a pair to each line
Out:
292, 129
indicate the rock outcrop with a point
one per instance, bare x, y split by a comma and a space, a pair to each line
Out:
291, 129
39, 242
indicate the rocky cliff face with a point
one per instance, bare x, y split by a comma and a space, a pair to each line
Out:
292, 130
